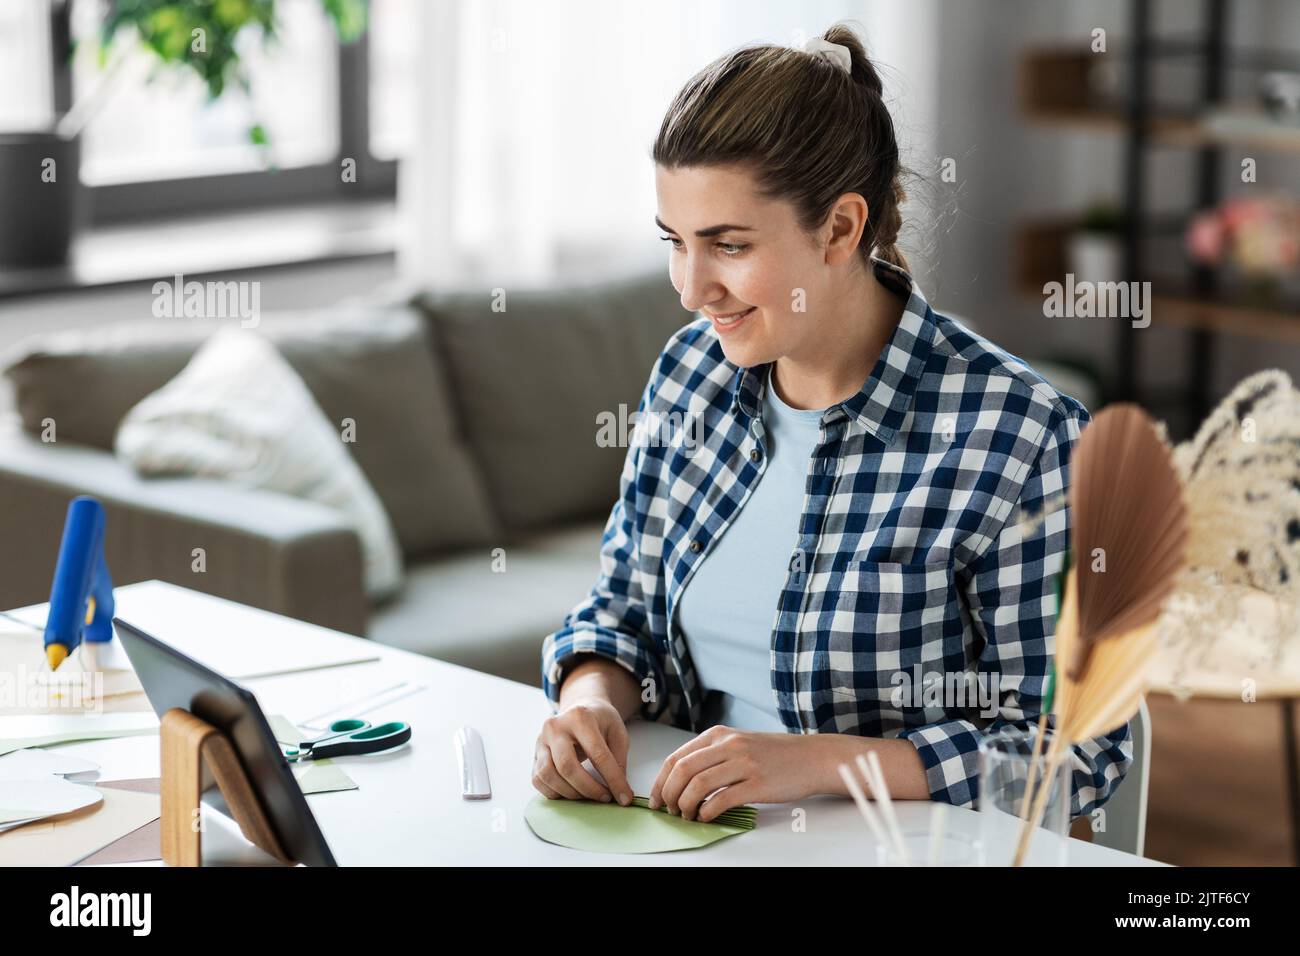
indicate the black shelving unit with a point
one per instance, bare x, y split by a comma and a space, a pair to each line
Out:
1212, 51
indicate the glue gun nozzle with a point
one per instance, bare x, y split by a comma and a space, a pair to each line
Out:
55, 654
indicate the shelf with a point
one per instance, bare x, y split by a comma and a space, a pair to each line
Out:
1177, 131
1228, 318
1040, 250
1055, 91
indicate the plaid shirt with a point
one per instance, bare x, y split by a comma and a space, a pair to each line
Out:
906, 563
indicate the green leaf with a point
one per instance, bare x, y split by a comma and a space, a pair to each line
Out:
1049, 693
257, 135
166, 27
349, 16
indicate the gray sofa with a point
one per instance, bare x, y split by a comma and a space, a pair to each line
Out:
477, 429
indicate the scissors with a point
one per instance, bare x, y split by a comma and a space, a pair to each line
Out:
351, 737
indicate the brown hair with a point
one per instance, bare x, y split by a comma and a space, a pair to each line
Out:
809, 131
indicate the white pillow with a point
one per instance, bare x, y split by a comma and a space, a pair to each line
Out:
239, 411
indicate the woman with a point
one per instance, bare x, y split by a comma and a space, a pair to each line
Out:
840, 539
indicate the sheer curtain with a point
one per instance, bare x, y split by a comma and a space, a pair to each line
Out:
534, 125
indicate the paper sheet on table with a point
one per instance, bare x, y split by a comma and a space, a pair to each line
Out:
34, 763
40, 730
143, 843
221, 635
62, 841
45, 797
610, 828
313, 776
82, 683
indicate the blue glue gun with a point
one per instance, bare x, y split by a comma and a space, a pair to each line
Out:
81, 600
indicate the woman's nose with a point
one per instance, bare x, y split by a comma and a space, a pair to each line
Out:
698, 287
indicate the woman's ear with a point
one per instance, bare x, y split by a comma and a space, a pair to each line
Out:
847, 222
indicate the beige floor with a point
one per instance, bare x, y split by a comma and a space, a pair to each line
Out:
1218, 795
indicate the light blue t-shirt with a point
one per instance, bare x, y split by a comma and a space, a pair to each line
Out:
728, 608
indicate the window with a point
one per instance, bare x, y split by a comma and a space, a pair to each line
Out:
158, 123
394, 65
156, 145
25, 93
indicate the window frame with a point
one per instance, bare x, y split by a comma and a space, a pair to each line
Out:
316, 183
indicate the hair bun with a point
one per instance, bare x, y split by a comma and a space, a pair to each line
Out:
861, 68
833, 53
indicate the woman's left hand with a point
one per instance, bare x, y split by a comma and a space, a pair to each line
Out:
753, 767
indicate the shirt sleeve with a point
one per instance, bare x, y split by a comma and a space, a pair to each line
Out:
612, 621
1011, 594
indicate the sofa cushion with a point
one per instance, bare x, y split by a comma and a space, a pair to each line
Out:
531, 380
238, 412
372, 366
468, 610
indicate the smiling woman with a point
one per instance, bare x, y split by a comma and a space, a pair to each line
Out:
850, 514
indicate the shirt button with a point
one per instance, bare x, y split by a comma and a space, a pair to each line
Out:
755, 455
696, 546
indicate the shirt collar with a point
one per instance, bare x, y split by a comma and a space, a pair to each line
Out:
882, 402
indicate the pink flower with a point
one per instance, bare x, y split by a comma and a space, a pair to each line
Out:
1237, 213
1205, 239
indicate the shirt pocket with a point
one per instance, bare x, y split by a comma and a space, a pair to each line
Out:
889, 617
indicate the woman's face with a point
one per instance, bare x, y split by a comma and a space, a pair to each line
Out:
742, 260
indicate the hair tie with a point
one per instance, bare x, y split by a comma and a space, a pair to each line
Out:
834, 52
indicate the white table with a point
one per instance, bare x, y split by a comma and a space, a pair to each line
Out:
408, 809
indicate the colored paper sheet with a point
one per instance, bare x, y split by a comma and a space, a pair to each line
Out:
611, 828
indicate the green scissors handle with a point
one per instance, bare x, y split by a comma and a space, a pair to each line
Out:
337, 729
365, 741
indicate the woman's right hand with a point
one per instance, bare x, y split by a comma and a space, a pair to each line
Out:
588, 727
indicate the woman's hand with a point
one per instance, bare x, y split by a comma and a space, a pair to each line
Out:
753, 767
587, 728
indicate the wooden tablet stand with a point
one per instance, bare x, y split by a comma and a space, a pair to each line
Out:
194, 755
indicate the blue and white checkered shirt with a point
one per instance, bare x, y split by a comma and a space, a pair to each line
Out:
910, 586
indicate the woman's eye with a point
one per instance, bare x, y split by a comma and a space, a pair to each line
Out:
677, 243
732, 248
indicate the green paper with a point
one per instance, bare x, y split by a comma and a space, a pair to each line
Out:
611, 828
321, 776
46, 730
49, 740
285, 732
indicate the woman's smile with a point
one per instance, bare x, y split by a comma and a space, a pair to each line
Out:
728, 322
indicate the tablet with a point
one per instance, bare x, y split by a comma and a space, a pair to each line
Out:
170, 679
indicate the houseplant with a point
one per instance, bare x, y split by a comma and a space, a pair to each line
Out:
202, 36
1095, 250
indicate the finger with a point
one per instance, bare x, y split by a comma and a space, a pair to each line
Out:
692, 745
574, 773
618, 745
551, 778
736, 795
704, 783
588, 734
540, 786
686, 770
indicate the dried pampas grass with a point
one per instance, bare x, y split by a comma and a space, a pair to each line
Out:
1130, 531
